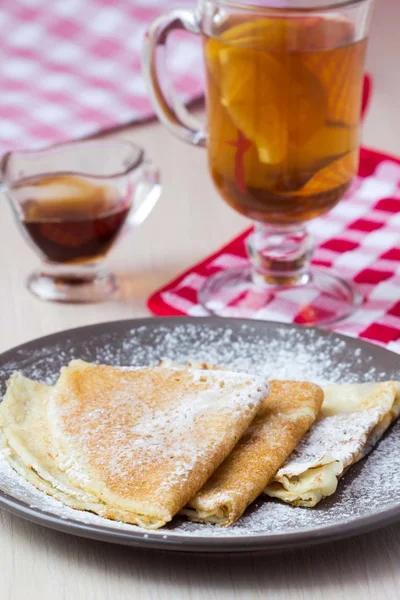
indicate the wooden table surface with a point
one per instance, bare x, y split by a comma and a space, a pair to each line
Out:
189, 222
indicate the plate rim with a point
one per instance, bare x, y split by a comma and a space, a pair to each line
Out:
169, 540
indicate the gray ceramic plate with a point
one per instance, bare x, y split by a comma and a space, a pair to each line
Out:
368, 496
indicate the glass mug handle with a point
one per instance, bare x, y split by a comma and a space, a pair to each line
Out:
174, 116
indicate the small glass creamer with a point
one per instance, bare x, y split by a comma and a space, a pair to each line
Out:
72, 202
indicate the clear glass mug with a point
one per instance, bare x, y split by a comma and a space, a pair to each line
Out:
72, 202
283, 94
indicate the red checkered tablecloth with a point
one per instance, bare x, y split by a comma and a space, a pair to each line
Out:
359, 239
69, 68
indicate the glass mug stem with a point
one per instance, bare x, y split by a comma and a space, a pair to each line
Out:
280, 256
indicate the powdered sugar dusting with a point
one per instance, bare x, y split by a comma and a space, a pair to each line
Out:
342, 436
157, 428
281, 352
276, 351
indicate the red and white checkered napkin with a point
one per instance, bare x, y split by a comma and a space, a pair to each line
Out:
359, 239
69, 68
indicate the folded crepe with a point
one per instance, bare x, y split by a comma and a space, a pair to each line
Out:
26, 441
352, 419
133, 445
285, 416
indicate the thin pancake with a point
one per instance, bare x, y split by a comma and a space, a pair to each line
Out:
352, 419
26, 438
285, 416
132, 445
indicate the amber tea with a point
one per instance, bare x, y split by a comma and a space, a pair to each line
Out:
70, 219
283, 102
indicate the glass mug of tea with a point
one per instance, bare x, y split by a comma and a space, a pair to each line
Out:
72, 202
283, 95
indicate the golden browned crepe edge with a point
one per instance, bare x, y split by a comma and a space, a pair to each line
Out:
259, 453
25, 446
328, 470
225, 445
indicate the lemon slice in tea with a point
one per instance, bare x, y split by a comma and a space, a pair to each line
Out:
338, 173
272, 99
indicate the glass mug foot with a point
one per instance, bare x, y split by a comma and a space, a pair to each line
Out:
322, 300
76, 289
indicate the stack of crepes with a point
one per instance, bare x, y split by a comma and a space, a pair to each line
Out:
140, 445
